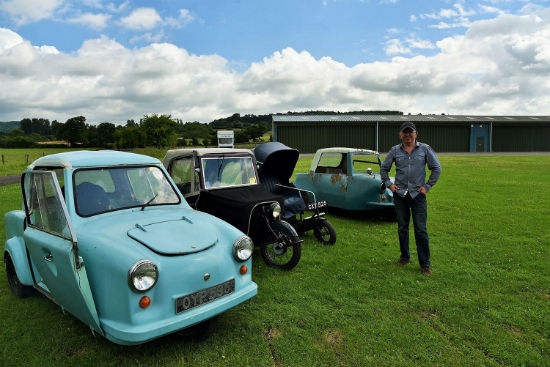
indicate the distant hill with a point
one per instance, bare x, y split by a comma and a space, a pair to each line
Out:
8, 125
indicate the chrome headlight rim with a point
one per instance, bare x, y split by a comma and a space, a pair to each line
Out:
275, 209
133, 273
243, 248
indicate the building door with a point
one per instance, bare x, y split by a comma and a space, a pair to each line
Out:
479, 138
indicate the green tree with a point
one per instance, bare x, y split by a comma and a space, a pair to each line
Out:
106, 134
160, 130
74, 130
131, 137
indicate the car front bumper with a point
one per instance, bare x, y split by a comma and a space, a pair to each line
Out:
125, 334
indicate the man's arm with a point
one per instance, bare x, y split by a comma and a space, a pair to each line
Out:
386, 167
433, 166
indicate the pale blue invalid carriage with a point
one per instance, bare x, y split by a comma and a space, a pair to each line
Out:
107, 237
347, 178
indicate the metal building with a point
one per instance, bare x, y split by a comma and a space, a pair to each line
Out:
445, 133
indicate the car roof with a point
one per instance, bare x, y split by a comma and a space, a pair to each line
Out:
317, 156
86, 158
177, 153
346, 150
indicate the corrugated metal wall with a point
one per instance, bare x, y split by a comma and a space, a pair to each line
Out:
521, 138
442, 136
447, 138
310, 136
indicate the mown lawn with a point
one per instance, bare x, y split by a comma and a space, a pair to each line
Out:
488, 302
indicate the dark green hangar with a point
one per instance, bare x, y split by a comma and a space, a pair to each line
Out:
445, 133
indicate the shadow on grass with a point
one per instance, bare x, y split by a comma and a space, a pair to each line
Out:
384, 215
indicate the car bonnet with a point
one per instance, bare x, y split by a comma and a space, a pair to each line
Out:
178, 236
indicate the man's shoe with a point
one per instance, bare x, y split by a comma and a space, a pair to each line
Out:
426, 271
402, 262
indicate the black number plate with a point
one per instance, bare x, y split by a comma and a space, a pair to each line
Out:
203, 296
317, 205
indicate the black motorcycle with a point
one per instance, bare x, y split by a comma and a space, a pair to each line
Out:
276, 163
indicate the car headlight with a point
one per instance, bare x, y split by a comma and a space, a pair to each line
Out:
143, 276
242, 248
275, 210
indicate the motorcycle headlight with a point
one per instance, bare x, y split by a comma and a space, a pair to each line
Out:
275, 210
143, 276
242, 248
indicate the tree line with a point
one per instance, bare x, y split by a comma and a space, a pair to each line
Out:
152, 130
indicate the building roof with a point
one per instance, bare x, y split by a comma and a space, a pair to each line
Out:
413, 118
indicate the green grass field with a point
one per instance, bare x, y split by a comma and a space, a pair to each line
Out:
487, 303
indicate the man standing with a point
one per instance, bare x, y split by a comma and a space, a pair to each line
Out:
409, 191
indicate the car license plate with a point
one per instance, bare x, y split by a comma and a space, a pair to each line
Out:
204, 296
317, 205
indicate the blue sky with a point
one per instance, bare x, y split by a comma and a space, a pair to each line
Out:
203, 59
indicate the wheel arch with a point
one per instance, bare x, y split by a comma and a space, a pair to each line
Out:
14, 249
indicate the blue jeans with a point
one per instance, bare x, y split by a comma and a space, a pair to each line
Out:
418, 207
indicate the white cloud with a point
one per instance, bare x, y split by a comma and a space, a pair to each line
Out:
9, 39
94, 21
148, 37
141, 19
395, 46
184, 18
113, 8
456, 17
499, 66
26, 11
491, 9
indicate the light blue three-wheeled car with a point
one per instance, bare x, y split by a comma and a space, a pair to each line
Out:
108, 237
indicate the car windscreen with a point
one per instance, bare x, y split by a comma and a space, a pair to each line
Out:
100, 190
362, 162
224, 171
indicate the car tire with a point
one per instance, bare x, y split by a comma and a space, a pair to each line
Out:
18, 289
286, 258
324, 232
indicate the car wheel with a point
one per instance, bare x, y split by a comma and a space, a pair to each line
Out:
324, 232
19, 289
277, 255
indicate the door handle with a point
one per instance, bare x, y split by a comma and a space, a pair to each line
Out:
48, 258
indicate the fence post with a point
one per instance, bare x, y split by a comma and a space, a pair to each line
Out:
2, 159
26, 158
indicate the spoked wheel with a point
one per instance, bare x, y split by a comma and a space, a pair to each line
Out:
324, 232
275, 253
19, 289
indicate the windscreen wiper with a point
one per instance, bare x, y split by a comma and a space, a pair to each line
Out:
149, 202
220, 165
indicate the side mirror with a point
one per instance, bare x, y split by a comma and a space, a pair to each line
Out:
369, 171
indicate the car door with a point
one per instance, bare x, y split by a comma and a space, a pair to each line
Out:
332, 182
52, 246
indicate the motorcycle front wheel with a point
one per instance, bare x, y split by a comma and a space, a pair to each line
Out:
277, 252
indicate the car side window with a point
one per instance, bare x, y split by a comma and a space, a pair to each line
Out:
182, 172
332, 163
45, 210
